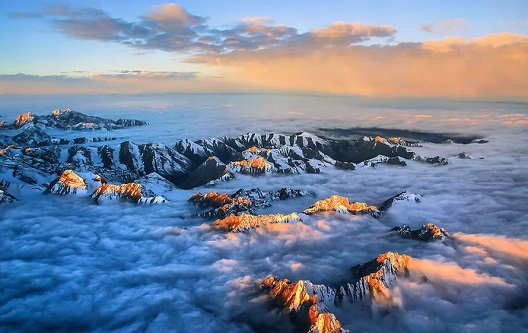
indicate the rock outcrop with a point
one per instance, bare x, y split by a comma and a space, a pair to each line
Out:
340, 204
221, 205
427, 232
131, 192
67, 183
309, 304
398, 198
32, 136
209, 172
245, 221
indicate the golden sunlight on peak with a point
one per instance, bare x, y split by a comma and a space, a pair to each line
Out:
71, 179
23, 118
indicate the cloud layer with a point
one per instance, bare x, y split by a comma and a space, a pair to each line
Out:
341, 58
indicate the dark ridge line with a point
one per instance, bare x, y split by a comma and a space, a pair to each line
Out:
404, 134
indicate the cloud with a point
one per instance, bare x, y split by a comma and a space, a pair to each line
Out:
257, 54
170, 27
121, 81
489, 67
24, 14
448, 26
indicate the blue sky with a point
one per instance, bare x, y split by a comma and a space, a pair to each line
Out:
40, 39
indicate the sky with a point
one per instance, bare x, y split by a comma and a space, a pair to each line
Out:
439, 49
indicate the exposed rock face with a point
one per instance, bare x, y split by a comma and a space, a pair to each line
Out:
246, 221
374, 279
23, 118
67, 183
243, 201
427, 232
283, 160
309, 303
130, 192
432, 160
6, 197
302, 298
32, 136
74, 120
188, 163
340, 204
401, 197
209, 172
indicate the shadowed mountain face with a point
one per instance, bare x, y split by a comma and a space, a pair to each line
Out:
406, 134
189, 164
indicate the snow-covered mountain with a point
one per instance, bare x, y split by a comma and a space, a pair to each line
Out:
187, 164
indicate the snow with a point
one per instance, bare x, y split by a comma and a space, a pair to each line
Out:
70, 265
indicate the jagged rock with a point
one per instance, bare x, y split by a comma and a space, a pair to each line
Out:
79, 121
432, 160
464, 156
6, 197
130, 156
208, 173
32, 136
107, 156
121, 123
148, 158
381, 159
46, 155
340, 204
79, 156
129, 192
303, 300
67, 183
401, 197
366, 148
193, 151
23, 118
427, 232
8, 148
307, 301
154, 183
283, 160
287, 193
246, 221
243, 201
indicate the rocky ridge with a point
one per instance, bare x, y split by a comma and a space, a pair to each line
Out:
237, 223
187, 164
427, 232
309, 304
221, 205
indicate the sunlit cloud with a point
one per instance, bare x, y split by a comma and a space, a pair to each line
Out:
515, 248
256, 54
448, 26
450, 273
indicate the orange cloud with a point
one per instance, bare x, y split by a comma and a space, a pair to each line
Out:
343, 29
515, 248
490, 67
450, 273
452, 25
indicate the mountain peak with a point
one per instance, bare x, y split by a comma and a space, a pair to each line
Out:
340, 204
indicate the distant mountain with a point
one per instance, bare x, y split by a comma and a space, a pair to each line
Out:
34, 155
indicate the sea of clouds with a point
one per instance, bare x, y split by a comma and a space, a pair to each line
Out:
68, 264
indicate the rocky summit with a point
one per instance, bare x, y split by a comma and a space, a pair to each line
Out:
245, 221
340, 204
220, 205
426, 232
309, 304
